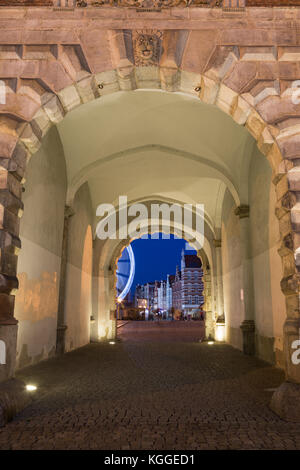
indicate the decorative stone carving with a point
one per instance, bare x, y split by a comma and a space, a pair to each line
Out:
146, 47
238, 4
31, 3
150, 4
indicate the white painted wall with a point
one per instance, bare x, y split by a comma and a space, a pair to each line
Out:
267, 270
232, 275
39, 260
78, 303
269, 302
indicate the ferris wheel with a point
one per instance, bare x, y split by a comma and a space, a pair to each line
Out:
125, 273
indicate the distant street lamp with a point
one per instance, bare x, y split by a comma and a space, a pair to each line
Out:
119, 301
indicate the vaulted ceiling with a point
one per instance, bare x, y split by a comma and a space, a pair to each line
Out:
151, 143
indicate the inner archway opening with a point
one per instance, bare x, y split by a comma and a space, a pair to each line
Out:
160, 290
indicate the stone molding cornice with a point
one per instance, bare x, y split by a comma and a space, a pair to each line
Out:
242, 211
232, 5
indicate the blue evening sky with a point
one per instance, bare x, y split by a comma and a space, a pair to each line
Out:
154, 259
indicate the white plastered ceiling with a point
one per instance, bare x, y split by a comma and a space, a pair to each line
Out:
151, 143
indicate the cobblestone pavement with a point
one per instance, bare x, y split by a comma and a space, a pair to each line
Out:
165, 331
151, 395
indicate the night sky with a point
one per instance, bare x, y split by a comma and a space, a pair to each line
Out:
154, 259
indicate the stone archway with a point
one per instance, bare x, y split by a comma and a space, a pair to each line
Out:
227, 79
107, 265
209, 91
107, 252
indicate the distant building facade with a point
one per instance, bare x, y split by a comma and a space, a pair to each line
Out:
182, 291
146, 292
191, 284
169, 293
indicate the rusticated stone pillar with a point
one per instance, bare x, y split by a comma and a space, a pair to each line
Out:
286, 399
12, 168
234, 4
61, 326
247, 294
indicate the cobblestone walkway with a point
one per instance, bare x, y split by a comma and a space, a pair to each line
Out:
151, 395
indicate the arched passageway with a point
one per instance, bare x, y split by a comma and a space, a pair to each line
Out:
128, 144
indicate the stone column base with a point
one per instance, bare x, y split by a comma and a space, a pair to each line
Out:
209, 326
13, 399
107, 330
8, 338
285, 402
60, 339
248, 330
93, 330
220, 331
291, 334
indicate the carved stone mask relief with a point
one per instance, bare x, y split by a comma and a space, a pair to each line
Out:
147, 47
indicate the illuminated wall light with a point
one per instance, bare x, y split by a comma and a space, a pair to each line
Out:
101, 331
112, 342
220, 332
106, 330
31, 388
